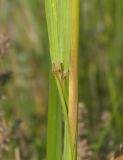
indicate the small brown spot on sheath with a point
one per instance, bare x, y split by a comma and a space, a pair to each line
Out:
57, 69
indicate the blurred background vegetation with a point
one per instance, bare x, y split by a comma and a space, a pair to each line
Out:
23, 104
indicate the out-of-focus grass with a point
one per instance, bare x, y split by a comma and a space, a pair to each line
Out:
100, 74
101, 77
26, 94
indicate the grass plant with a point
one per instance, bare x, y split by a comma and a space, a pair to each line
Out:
62, 23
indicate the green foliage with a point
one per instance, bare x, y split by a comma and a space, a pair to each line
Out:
58, 22
54, 138
100, 69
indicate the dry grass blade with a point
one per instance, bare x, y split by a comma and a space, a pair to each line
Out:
5, 43
84, 149
4, 135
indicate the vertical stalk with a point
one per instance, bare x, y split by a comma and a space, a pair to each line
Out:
73, 74
54, 134
62, 22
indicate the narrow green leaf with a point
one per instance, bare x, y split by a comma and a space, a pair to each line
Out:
54, 131
58, 22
